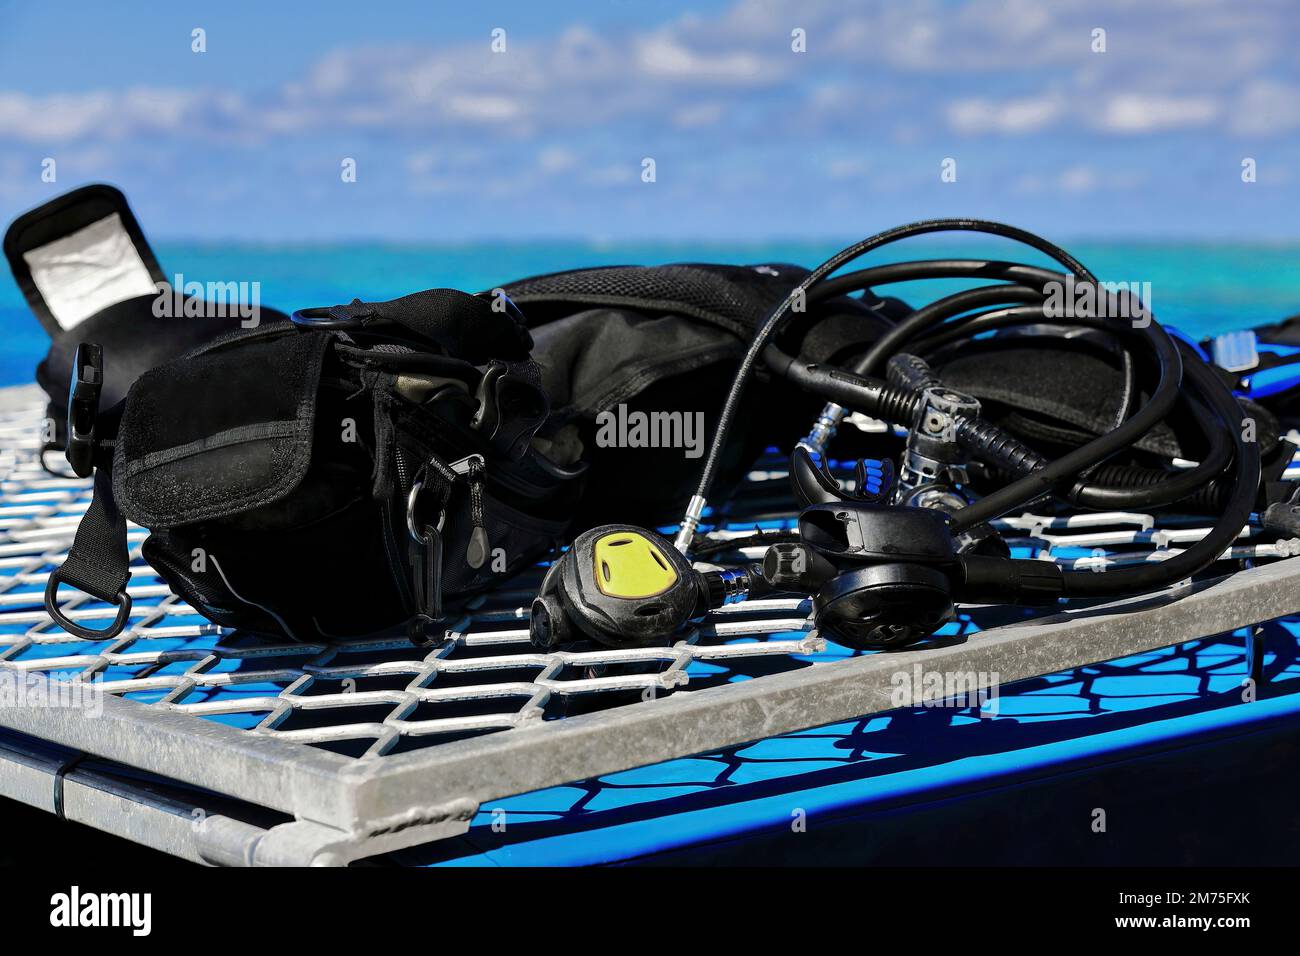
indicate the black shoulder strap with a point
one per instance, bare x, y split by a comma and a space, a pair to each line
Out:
734, 298
98, 563
470, 327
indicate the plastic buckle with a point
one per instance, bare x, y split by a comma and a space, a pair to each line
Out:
83, 407
335, 318
1236, 351
510, 410
121, 599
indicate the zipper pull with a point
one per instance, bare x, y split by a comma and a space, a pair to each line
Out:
472, 467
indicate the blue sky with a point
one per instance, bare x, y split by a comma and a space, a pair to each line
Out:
750, 139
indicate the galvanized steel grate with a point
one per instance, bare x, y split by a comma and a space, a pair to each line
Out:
379, 696
376, 695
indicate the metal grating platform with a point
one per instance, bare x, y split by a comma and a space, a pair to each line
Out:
881, 765
375, 746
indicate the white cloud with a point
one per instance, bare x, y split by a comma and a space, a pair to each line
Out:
1266, 108
57, 117
556, 159
1148, 113
663, 54
1167, 68
613, 174
484, 107
847, 168
1024, 115
113, 115
698, 115
1079, 178
423, 162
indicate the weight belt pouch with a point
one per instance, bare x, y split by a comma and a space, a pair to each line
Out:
317, 485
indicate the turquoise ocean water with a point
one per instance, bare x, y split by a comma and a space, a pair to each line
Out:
1200, 288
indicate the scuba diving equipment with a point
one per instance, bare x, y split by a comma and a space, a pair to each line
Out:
375, 450
254, 477
971, 468
1023, 284
624, 586
89, 275
879, 574
887, 576
1264, 363
871, 606
799, 299
934, 461
84, 394
270, 484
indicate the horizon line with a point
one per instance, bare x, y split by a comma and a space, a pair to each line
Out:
734, 241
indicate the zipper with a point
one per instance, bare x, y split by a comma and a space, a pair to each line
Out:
403, 469
427, 432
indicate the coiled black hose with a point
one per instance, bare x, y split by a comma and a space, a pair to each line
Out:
895, 404
773, 323
1235, 515
911, 371
984, 440
1001, 448
1107, 487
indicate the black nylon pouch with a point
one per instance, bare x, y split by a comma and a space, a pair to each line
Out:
262, 517
307, 482
139, 330
1058, 393
216, 436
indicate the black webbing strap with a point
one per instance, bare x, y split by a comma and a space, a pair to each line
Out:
467, 326
732, 297
98, 562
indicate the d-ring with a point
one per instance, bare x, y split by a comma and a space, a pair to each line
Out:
121, 599
410, 514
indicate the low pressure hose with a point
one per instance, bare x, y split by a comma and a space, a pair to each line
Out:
1210, 548
773, 323
1113, 487
778, 318
911, 371
899, 405
1106, 487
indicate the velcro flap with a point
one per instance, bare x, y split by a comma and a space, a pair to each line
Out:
219, 434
